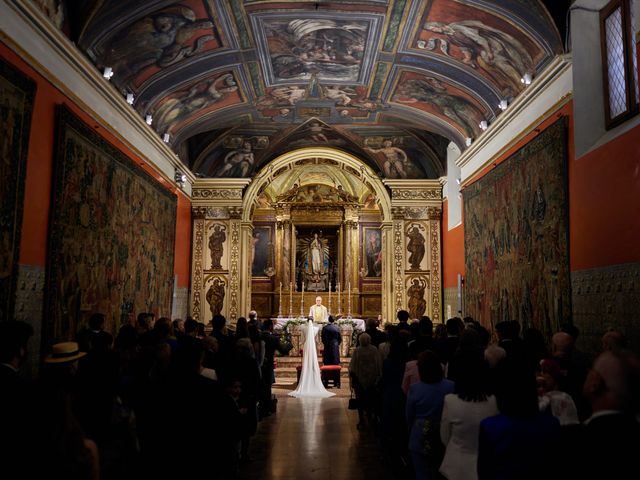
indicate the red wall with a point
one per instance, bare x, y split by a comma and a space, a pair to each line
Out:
33, 243
452, 250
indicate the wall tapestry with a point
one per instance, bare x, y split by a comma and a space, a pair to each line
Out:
16, 103
516, 237
112, 235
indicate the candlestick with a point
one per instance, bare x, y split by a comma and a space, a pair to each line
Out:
302, 302
339, 302
329, 309
280, 301
290, 300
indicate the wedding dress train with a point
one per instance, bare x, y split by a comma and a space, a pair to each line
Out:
310, 384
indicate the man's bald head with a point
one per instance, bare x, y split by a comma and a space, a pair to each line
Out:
561, 344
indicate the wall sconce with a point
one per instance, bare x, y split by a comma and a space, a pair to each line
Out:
503, 105
526, 79
107, 73
148, 119
166, 137
130, 98
483, 125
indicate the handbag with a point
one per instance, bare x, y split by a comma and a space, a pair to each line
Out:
353, 402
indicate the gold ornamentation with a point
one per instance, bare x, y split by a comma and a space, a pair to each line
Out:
234, 280
398, 255
218, 193
413, 194
235, 212
416, 213
434, 213
198, 241
434, 227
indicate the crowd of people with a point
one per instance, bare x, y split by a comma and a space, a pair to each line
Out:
161, 400
448, 402
165, 400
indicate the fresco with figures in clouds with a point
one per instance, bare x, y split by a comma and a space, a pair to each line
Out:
299, 46
214, 73
483, 41
160, 40
442, 99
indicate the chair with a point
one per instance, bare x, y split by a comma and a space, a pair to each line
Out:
330, 373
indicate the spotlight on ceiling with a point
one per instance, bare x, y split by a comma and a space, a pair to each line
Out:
130, 98
107, 73
503, 105
148, 119
180, 178
468, 141
483, 125
166, 137
526, 79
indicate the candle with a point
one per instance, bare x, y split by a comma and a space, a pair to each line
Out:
339, 303
280, 301
290, 299
302, 302
329, 298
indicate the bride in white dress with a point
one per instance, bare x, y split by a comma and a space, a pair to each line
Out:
310, 384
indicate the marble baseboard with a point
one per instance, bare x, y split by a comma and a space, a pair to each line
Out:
29, 308
180, 307
603, 298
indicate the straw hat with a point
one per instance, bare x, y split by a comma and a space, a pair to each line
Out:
64, 352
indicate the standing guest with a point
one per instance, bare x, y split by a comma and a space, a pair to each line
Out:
464, 409
550, 398
331, 339
365, 369
94, 332
272, 345
520, 442
377, 337
178, 328
253, 318
423, 414
611, 436
242, 328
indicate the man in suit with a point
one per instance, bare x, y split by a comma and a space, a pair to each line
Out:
331, 339
271, 345
611, 439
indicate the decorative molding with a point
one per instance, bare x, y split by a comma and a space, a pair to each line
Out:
407, 194
416, 213
234, 272
398, 254
235, 212
197, 275
434, 213
217, 193
436, 307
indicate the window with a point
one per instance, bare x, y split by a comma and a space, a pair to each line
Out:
619, 63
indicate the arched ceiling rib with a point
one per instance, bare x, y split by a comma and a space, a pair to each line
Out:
378, 78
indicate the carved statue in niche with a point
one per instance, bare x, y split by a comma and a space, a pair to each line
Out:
415, 246
314, 263
215, 296
417, 304
216, 242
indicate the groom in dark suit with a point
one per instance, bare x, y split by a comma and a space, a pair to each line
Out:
331, 339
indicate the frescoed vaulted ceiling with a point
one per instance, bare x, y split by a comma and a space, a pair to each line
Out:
236, 83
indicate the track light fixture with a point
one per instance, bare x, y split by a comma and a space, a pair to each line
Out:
130, 98
483, 125
148, 119
107, 73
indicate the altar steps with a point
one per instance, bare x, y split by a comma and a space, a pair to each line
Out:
286, 367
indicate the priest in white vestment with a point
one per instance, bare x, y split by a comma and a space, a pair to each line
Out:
319, 312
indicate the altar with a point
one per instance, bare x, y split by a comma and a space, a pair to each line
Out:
295, 330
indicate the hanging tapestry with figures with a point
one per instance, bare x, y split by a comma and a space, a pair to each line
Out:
516, 237
112, 235
16, 104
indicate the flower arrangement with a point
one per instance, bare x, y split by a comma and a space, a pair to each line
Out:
345, 322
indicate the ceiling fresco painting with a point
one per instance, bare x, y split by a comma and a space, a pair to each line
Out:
294, 48
160, 40
237, 83
488, 44
442, 99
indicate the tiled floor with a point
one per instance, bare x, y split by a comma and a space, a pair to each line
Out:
313, 438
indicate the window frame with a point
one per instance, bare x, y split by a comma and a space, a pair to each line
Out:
627, 37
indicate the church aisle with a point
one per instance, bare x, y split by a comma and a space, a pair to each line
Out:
313, 438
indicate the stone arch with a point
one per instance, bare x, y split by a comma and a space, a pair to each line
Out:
344, 160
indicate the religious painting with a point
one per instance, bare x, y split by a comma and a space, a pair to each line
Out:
217, 247
54, 10
372, 252
215, 286
417, 289
316, 193
16, 104
234, 158
490, 45
297, 46
516, 237
442, 99
416, 235
261, 252
112, 235
399, 156
316, 253
162, 39
199, 98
